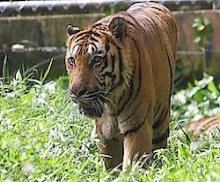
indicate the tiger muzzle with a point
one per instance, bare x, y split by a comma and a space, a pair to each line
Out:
91, 104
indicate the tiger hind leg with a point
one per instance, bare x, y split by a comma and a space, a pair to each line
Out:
161, 129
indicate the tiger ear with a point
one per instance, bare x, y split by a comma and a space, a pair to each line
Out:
118, 27
72, 30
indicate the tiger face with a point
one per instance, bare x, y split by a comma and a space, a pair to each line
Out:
93, 65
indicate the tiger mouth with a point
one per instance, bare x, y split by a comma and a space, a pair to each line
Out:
90, 110
90, 104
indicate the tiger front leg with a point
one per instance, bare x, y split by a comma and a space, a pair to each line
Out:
110, 142
137, 143
112, 152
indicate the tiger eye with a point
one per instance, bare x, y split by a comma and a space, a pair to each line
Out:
96, 61
100, 52
71, 61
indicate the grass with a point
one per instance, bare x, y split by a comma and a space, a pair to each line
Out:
43, 137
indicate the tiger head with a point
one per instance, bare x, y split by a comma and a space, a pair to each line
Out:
94, 63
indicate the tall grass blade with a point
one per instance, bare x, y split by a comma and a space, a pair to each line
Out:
47, 71
5, 71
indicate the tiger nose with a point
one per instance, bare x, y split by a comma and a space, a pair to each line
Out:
78, 90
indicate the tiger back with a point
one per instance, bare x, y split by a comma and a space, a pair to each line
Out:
121, 75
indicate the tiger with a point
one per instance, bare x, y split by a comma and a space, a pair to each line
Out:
121, 71
202, 126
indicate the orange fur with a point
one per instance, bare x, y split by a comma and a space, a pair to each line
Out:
124, 65
200, 126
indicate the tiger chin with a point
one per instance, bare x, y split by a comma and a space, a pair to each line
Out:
121, 72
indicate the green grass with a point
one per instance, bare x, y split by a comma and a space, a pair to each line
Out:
43, 138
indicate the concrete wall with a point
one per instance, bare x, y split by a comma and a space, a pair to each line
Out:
192, 63
51, 31
40, 31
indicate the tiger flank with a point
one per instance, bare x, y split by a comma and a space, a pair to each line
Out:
207, 125
121, 75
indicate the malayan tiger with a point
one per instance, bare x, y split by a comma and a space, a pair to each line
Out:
207, 125
121, 72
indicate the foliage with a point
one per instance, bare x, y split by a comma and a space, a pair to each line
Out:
203, 31
200, 99
43, 138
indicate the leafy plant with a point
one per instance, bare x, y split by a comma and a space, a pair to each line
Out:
203, 34
203, 31
202, 98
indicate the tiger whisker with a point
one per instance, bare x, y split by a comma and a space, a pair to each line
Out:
106, 92
88, 97
96, 106
110, 101
91, 95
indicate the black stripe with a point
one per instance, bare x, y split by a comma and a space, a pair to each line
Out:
101, 81
160, 9
85, 33
113, 62
158, 29
131, 93
140, 72
161, 137
81, 33
105, 61
79, 38
110, 75
131, 23
93, 39
105, 58
121, 68
131, 90
96, 25
132, 114
107, 47
96, 34
128, 97
156, 110
131, 84
160, 120
135, 129
171, 75
92, 43
113, 68
170, 62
